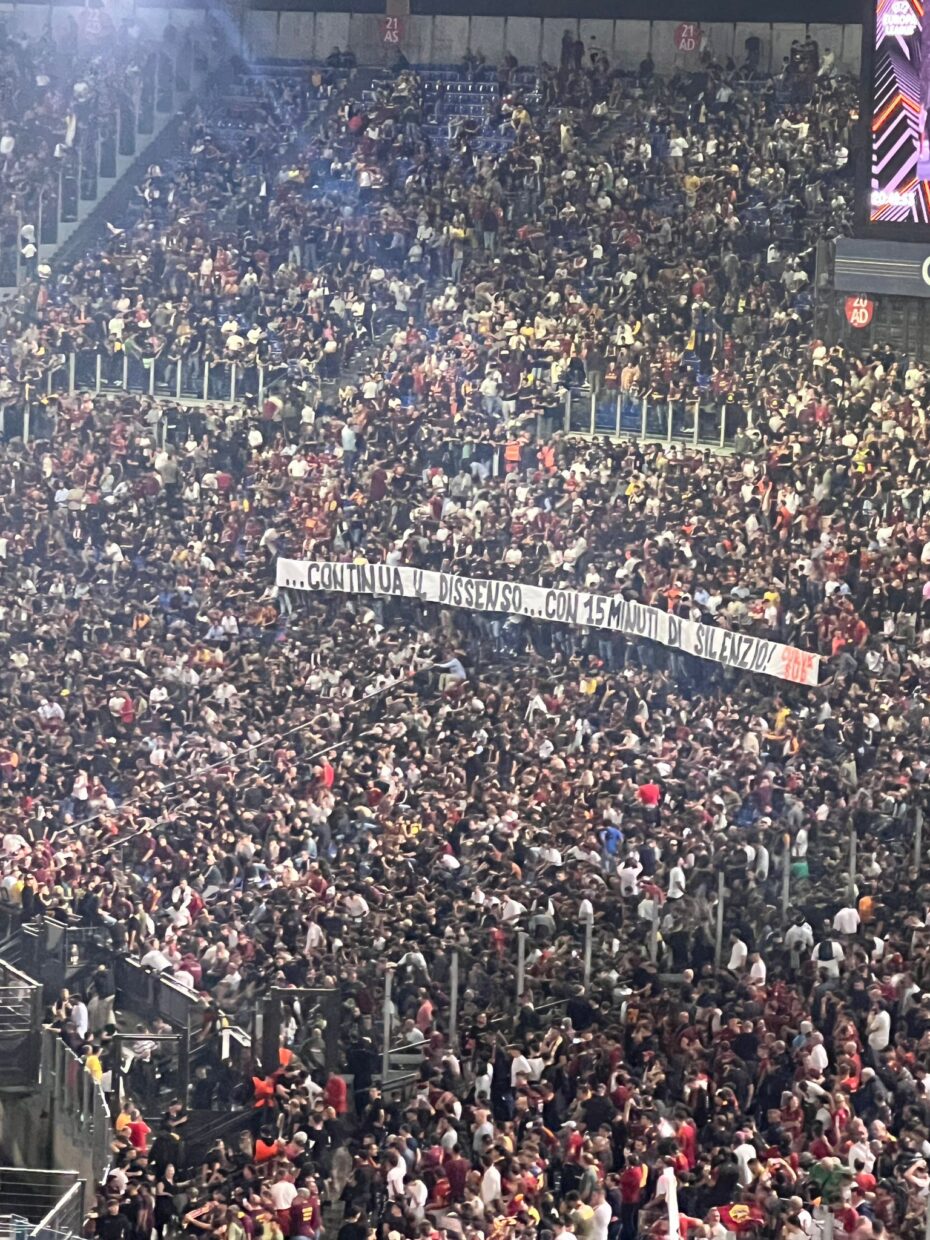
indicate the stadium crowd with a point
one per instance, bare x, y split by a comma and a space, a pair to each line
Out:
61, 97
249, 788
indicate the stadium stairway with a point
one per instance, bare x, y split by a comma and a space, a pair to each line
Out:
116, 204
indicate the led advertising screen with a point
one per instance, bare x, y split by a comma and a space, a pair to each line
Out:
899, 190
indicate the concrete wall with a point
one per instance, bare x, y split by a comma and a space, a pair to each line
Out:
301, 35
34, 20
26, 1132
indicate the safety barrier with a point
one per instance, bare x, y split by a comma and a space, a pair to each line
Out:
20, 1024
78, 1116
698, 421
694, 421
39, 1204
56, 953
108, 370
65, 1218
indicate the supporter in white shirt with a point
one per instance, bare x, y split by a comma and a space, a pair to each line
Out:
846, 921
79, 1017
283, 1194
395, 1178
739, 953
817, 1059
745, 1153
676, 881
490, 1185
356, 905
155, 958
827, 956
603, 1215
519, 1065
878, 1028
416, 1194
860, 1152
799, 938
757, 970
629, 877
512, 909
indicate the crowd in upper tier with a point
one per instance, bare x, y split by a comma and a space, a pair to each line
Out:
248, 787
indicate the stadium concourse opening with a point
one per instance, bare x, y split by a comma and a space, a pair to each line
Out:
443, 794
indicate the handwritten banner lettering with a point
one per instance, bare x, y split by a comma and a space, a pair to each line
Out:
598, 611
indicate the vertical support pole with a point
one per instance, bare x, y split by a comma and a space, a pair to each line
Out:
852, 865
521, 962
386, 1017
918, 856
588, 937
184, 1060
654, 932
271, 1031
785, 877
454, 1000
116, 1080
718, 946
643, 419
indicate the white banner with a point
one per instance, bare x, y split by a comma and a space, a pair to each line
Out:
598, 611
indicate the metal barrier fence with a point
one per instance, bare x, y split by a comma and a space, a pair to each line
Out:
698, 422
167, 76
695, 421
154, 994
56, 953
35, 1194
20, 1022
64, 1219
104, 370
77, 1110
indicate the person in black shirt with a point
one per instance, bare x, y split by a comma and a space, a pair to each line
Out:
354, 1227
113, 1225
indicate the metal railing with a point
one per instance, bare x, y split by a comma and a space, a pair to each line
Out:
20, 1023
191, 379
54, 952
694, 421
155, 994
78, 1115
39, 1198
65, 1218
